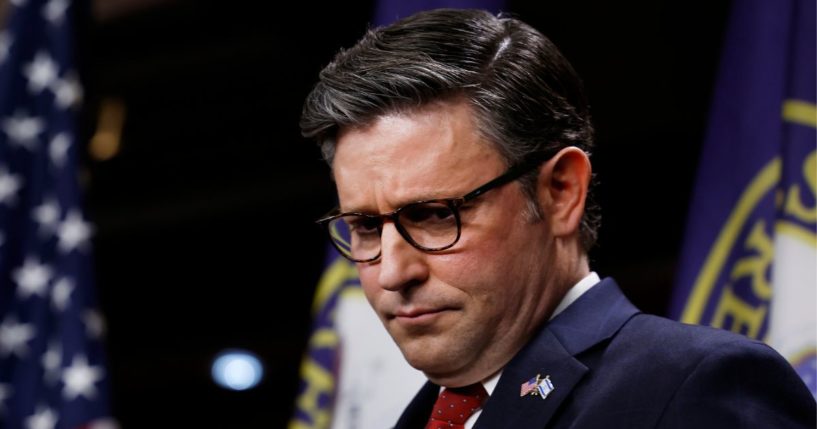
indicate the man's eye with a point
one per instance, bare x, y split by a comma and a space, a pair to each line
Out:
428, 213
364, 225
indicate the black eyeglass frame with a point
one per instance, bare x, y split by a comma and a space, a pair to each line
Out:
511, 174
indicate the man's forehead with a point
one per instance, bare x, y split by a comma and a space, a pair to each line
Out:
402, 157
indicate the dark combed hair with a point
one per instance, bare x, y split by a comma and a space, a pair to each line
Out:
526, 97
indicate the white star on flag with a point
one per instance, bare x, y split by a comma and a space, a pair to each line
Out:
47, 215
68, 91
73, 232
14, 336
54, 11
61, 293
10, 184
23, 130
5, 45
58, 148
41, 72
44, 418
52, 359
32, 278
79, 379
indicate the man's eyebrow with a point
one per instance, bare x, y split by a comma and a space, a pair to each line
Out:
429, 196
355, 209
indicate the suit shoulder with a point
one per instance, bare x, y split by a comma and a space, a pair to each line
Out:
692, 338
682, 347
721, 379
715, 375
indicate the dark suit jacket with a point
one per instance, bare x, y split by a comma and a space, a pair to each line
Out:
614, 367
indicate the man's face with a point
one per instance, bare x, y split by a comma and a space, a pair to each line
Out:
461, 314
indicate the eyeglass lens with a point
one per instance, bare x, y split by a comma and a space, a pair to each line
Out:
428, 226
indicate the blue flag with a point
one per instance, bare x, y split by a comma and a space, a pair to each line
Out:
313, 408
748, 262
52, 373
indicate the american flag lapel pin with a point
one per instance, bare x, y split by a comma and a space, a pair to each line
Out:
537, 386
529, 387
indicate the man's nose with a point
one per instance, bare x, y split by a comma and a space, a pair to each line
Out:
401, 264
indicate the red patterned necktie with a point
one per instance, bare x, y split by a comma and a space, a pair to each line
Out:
454, 406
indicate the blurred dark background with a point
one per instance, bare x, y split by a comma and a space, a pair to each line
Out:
204, 211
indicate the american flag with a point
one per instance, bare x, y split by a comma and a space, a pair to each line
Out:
52, 373
529, 386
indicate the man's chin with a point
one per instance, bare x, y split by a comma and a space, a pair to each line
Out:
437, 364
423, 356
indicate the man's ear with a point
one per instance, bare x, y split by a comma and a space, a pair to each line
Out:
563, 184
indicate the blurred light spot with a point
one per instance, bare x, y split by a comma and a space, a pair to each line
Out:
237, 370
106, 141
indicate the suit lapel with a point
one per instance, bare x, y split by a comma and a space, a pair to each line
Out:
545, 357
594, 317
419, 409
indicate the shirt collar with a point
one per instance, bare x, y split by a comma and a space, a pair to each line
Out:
575, 292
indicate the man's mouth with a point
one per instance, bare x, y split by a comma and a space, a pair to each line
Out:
418, 316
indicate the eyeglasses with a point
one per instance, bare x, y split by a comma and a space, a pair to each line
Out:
429, 225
